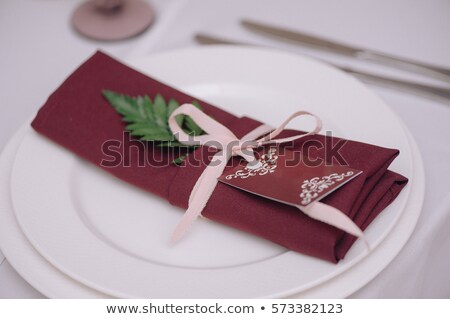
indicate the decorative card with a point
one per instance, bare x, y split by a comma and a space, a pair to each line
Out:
280, 176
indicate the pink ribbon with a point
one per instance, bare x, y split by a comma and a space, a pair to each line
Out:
228, 145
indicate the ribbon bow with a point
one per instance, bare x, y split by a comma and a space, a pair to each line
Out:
221, 138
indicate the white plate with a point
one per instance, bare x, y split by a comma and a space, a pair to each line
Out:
116, 242
53, 283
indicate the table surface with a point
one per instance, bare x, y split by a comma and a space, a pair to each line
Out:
39, 48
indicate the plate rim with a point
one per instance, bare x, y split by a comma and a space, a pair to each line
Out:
12, 232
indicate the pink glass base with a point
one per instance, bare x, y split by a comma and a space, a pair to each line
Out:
130, 19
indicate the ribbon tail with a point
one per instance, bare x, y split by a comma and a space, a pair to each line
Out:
185, 224
200, 194
334, 217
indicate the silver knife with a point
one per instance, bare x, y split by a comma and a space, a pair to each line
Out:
434, 71
431, 91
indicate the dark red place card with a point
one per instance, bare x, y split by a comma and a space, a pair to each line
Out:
279, 176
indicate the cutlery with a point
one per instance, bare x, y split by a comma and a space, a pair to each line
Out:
434, 71
431, 91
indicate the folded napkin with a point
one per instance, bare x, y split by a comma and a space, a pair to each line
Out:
78, 117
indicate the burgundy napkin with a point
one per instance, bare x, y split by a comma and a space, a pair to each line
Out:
77, 117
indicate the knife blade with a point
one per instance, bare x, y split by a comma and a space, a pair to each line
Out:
421, 89
434, 71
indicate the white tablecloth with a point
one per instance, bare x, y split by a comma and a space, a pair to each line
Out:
38, 49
